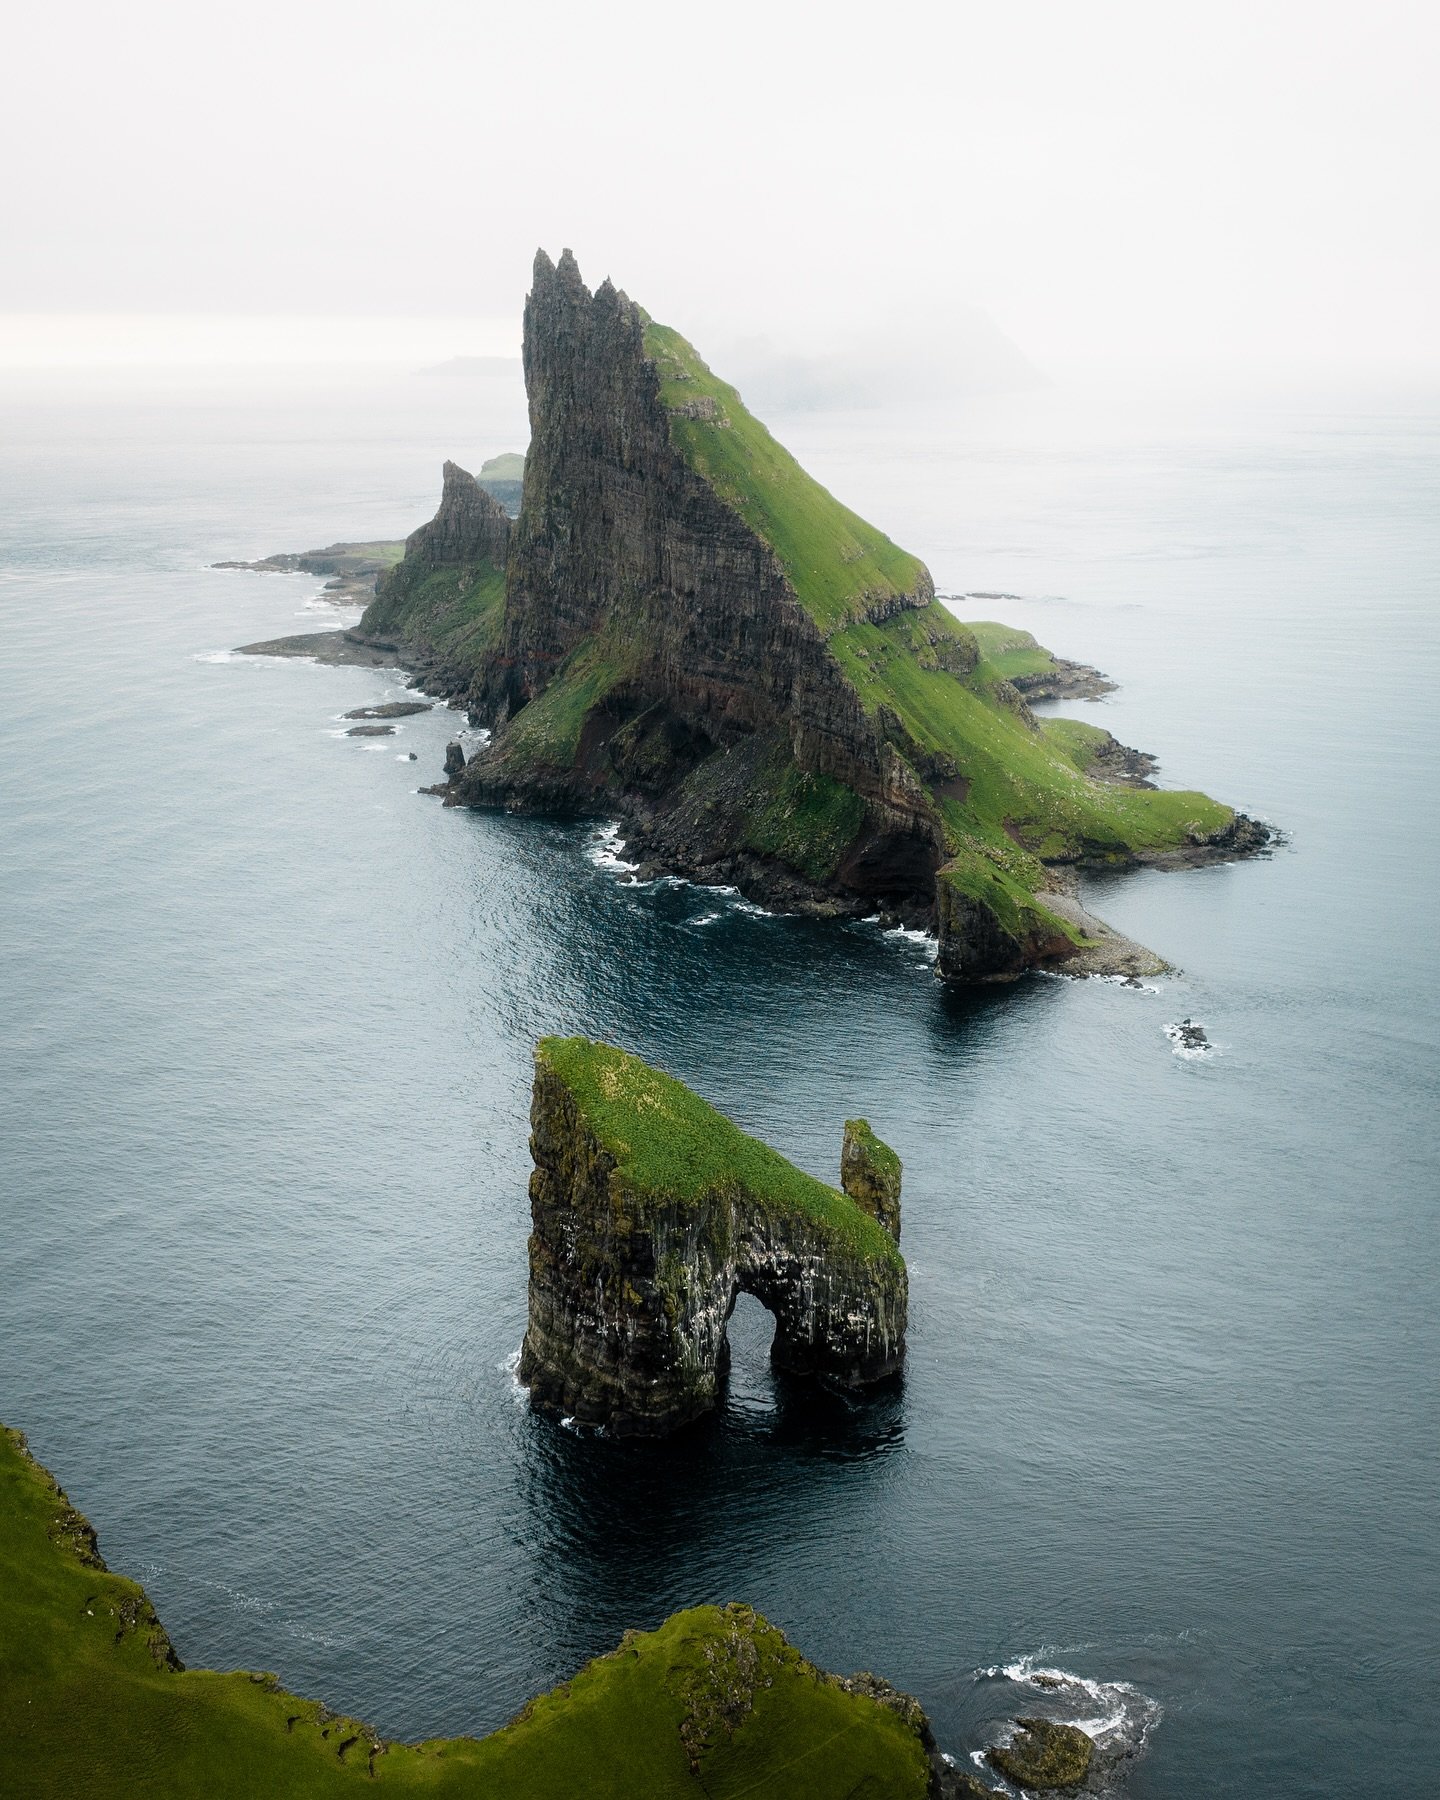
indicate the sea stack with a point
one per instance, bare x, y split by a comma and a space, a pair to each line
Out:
652, 1213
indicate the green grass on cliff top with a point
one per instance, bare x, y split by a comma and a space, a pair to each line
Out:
666, 1140
1010, 651
1020, 787
87, 1713
838, 565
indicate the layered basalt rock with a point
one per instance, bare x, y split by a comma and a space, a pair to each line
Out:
652, 1213
627, 558
693, 634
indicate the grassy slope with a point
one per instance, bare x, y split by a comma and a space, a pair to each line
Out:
1010, 651
456, 614
667, 1140
837, 564
87, 1712
1027, 798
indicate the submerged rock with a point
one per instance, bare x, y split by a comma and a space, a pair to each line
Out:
392, 709
1187, 1035
1043, 1755
652, 1213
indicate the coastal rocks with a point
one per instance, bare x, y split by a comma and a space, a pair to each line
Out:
454, 758
392, 709
870, 1175
652, 1213
1043, 1756
1064, 680
338, 649
371, 731
1113, 761
353, 568
1188, 1038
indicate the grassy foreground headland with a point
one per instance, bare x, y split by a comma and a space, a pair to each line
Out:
714, 1705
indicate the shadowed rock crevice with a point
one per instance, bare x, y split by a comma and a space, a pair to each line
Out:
652, 1213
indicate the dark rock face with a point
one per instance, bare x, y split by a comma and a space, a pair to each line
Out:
870, 1175
630, 1292
469, 527
454, 758
618, 536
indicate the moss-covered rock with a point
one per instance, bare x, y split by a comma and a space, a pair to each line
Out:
652, 1212
870, 1174
1044, 1755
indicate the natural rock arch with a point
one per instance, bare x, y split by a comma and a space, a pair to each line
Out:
652, 1213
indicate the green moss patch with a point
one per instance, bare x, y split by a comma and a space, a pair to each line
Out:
667, 1141
804, 821
453, 614
92, 1708
838, 565
546, 732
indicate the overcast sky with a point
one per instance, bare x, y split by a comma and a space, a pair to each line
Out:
1142, 178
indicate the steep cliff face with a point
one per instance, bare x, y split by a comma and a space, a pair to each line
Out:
696, 635
652, 1213
442, 605
650, 629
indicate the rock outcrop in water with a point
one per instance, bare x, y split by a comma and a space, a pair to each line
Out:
693, 634
651, 1214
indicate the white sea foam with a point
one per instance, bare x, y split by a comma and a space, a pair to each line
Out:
604, 850
1114, 1713
1187, 1052
519, 1393
704, 919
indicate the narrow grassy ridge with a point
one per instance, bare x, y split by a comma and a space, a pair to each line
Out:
667, 1141
714, 1703
838, 565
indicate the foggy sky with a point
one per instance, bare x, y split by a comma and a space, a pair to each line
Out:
1226, 182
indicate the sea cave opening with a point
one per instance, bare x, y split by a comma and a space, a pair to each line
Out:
749, 1333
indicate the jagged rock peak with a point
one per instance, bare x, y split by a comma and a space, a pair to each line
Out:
470, 526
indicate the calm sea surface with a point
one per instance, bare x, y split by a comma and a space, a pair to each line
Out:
1170, 1421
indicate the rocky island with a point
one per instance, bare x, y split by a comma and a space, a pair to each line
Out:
652, 1212
682, 628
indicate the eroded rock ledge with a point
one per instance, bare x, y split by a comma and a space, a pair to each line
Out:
652, 1213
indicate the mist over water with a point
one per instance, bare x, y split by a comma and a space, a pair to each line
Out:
1169, 1421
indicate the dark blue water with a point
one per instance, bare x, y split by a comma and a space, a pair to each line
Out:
1170, 1416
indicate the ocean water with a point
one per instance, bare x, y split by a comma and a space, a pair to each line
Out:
1169, 1426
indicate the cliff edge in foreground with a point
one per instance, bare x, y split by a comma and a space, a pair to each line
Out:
653, 1212
695, 635
95, 1706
